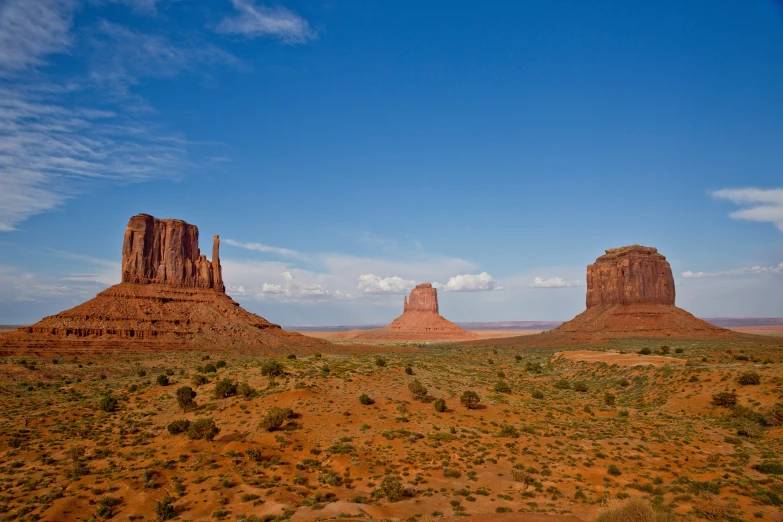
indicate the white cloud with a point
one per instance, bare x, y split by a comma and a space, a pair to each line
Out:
554, 282
146, 7
373, 284
471, 283
266, 288
256, 20
259, 247
32, 29
736, 271
763, 205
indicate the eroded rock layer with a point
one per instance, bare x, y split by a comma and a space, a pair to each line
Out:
631, 274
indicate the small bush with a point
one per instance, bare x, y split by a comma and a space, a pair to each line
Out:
609, 398
392, 489
141, 373
165, 508
614, 470
774, 416
562, 384
380, 362
208, 368
470, 399
178, 426
537, 394
580, 386
417, 389
185, 396
440, 405
244, 390
408, 370
203, 429
502, 387
665, 350
509, 431
220, 364
275, 417
291, 356
624, 383
272, 368
533, 367
749, 379
636, 511
518, 358
162, 380
769, 468
678, 350
225, 388
724, 399
108, 403
645, 351
106, 507
365, 399
198, 380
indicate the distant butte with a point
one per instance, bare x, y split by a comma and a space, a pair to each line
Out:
171, 297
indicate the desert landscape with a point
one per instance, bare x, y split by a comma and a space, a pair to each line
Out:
203, 411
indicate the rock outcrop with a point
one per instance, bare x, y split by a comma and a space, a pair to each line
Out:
627, 275
424, 298
166, 252
171, 297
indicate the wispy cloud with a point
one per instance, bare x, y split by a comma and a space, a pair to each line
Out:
750, 270
260, 21
32, 29
554, 282
763, 205
482, 282
373, 284
259, 247
296, 289
146, 7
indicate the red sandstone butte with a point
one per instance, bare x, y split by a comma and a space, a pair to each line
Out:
171, 298
627, 275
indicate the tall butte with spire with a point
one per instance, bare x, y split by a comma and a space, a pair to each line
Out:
171, 297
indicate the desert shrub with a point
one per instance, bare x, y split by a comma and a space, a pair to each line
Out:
470, 399
169, 372
502, 387
391, 488
203, 429
164, 509
208, 368
185, 396
162, 380
365, 399
198, 380
408, 370
645, 351
108, 403
275, 417
724, 399
609, 398
509, 431
678, 350
769, 467
518, 358
580, 386
291, 356
106, 507
665, 350
562, 384
220, 364
624, 383
225, 388
533, 367
178, 426
253, 454
141, 373
614, 470
537, 394
749, 379
244, 390
636, 511
272, 368
380, 362
417, 389
440, 405
774, 416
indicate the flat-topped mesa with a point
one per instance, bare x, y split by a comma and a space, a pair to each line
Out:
630, 274
424, 298
165, 251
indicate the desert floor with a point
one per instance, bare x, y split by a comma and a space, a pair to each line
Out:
346, 336
559, 432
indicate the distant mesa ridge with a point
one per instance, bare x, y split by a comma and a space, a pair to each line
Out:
171, 297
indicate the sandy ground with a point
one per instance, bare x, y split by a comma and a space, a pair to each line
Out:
482, 334
760, 330
620, 359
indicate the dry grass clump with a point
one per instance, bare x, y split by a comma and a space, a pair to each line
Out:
635, 511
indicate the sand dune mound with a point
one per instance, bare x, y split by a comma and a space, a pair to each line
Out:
171, 297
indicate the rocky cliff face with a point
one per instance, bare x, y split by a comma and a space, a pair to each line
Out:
631, 274
165, 251
424, 298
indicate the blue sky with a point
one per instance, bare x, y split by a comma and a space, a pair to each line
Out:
345, 151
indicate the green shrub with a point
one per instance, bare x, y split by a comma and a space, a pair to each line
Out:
533, 367
624, 383
380, 362
208, 368
518, 358
774, 416
769, 468
502, 387
392, 489
580, 386
537, 394
440, 405
291, 356
220, 364
275, 417
108, 403
244, 390
225, 388
645, 351
141, 373
509, 431
665, 350
164, 509
106, 507
178, 426
203, 429
614, 470
365, 399
678, 350
163, 380
272, 368
724, 399
417, 389
408, 370
470, 399
609, 398
198, 380
562, 384
636, 511
185, 396
749, 379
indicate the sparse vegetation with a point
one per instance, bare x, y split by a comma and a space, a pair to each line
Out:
470, 399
